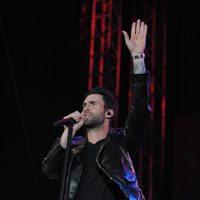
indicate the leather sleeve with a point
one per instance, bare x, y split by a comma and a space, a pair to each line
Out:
138, 120
53, 162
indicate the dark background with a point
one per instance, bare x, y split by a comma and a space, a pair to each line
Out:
43, 80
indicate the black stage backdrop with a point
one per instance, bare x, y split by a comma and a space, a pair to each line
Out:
43, 80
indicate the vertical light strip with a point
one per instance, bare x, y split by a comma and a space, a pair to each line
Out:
92, 39
102, 45
163, 103
118, 61
152, 98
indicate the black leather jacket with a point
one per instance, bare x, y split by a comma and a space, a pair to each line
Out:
114, 154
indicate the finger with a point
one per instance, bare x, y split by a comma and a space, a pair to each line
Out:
70, 115
145, 29
77, 116
142, 28
138, 26
82, 115
133, 28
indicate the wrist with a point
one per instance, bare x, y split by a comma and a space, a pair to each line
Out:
138, 64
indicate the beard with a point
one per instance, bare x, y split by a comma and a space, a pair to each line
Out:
94, 121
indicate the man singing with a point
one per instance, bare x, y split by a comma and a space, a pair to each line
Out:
100, 164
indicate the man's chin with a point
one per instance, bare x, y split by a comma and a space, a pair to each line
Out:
88, 124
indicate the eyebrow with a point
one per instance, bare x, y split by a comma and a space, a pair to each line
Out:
84, 103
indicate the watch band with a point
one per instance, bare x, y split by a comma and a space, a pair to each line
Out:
138, 56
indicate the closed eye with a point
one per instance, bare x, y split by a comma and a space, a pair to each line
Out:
91, 102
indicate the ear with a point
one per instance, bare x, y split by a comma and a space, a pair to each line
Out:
109, 113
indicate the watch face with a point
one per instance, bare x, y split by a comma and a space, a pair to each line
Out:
139, 56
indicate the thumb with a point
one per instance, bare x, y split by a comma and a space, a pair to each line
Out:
78, 125
126, 37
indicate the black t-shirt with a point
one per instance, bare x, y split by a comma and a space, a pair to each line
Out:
95, 184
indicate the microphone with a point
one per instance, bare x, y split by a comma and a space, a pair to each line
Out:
68, 122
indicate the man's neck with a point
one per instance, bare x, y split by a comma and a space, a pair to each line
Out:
96, 134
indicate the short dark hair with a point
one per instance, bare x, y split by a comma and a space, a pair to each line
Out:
108, 97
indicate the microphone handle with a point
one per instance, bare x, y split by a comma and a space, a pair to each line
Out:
68, 122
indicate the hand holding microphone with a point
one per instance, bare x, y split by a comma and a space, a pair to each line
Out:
74, 119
